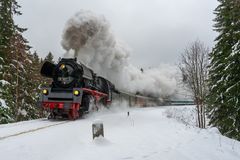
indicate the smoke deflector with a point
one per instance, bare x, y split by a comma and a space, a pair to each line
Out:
48, 69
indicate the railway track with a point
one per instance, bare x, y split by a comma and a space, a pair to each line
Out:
31, 130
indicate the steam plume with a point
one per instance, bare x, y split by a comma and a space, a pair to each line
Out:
88, 37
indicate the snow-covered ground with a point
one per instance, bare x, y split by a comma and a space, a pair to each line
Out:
148, 133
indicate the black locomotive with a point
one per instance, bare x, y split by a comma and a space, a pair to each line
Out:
75, 89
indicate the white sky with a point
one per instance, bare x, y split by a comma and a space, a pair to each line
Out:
156, 31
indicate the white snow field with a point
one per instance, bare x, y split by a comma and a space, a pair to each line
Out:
165, 133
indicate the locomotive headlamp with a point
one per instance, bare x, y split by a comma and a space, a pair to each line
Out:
76, 92
45, 91
62, 66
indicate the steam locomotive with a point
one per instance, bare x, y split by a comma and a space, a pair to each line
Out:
75, 89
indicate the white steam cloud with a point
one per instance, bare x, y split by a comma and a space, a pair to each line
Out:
88, 37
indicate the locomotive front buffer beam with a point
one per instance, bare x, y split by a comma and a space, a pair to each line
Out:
68, 104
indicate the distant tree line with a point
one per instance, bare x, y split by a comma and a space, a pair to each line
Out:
214, 78
20, 80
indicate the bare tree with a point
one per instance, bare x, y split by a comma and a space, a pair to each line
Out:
193, 66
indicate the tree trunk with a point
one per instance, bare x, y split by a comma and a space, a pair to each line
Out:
204, 117
198, 113
17, 88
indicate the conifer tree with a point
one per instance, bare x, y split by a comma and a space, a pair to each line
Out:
49, 57
7, 27
35, 82
13, 48
224, 74
6, 32
16, 93
8, 8
28, 109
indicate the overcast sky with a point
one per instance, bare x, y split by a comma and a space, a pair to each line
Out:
156, 31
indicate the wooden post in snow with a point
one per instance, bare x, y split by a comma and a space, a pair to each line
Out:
97, 129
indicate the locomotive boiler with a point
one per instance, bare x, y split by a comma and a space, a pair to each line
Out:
75, 89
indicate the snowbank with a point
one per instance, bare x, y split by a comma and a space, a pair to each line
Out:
184, 114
